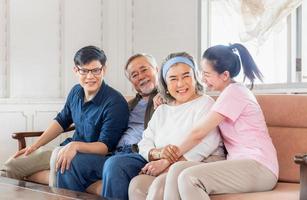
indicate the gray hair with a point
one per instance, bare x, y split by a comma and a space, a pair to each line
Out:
152, 61
162, 83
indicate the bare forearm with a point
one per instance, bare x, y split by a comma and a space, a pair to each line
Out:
200, 131
91, 147
49, 134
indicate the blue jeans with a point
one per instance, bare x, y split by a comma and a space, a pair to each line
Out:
85, 169
118, 172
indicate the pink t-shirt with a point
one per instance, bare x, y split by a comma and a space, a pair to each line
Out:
244, 130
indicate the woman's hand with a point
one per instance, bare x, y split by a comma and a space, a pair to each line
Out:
158, 100
155, 168
169, 152
65, 156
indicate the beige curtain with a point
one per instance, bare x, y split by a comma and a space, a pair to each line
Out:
260, 17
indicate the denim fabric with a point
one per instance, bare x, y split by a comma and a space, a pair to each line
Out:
118, 172
85, 169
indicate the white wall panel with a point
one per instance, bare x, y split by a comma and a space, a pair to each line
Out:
117, 41
162, 27
82, 27
11, 121
34, 48
3, 38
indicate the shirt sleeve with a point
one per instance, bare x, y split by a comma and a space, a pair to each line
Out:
115, 122
64, 118
231, 103
148, 140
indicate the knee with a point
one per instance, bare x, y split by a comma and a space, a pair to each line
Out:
139, 186
136, 187
176, 169
156, 189
113, 166
185, 179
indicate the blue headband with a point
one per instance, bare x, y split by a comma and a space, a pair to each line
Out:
175, 60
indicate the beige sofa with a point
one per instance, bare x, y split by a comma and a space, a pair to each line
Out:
286, 117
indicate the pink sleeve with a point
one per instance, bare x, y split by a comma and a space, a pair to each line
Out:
230, 103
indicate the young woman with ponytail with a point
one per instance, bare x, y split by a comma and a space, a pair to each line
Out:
251, 164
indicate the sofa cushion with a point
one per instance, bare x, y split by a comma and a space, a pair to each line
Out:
288, 142
283, 191
286, 118
284, 110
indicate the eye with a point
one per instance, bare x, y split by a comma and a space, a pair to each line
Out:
84, 71
96, 71
134, 76
144, 69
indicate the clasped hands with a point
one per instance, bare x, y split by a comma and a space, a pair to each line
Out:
163, 158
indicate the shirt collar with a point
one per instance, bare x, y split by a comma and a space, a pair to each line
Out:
98, 97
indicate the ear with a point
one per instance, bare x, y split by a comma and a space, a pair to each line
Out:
226, 75
104, 70
75, 70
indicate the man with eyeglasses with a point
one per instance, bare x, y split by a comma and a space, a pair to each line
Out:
100, 116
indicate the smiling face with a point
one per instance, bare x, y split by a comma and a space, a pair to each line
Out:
214, 80
181, 83
142, 75
90, 80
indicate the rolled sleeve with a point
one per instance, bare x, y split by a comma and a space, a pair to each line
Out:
64, 118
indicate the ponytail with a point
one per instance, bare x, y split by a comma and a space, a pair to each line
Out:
250, 69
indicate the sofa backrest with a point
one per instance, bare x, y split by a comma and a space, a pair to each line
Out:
286, 118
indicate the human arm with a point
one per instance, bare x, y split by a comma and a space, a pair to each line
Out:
200, 131
49, 134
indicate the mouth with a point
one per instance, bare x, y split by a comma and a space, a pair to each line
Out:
90, 83
182, 91
144, 82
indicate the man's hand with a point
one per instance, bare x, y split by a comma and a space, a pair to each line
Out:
158, 100
26, 151
155, 168
65, 156
169, 152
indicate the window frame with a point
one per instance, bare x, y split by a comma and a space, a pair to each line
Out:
296, 38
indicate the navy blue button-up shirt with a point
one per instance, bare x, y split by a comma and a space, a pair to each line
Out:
102, 119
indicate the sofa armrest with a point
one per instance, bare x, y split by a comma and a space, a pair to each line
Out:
301, 159
20, 136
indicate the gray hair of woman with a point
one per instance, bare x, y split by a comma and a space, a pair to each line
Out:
171, 60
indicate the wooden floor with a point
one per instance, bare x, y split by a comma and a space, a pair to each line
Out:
11, 189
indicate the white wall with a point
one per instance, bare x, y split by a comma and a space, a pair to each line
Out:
39, 38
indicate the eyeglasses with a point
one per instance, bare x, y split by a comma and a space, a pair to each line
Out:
96, 71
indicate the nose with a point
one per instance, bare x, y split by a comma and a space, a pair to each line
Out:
180, 82
89, 74
141, 76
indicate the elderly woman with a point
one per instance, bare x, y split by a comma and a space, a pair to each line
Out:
168, 126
